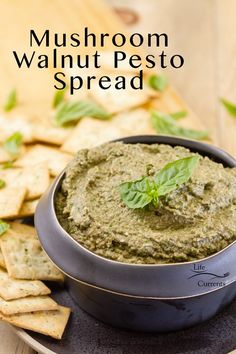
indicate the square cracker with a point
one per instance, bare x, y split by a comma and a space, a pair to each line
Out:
22, 230
27, 304
34, 178
28, 209
49, 134
25, 259
49, 323
91, 132
10, 125
11, 289
2, 262
11, 200
134, 122
115, 101
55, 159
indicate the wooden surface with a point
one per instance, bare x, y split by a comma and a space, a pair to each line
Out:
202, 31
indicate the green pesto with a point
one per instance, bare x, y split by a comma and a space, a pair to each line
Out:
192, 222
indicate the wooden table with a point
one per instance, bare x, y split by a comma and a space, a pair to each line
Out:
203, 32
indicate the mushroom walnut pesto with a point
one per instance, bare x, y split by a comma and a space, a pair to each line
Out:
192, 222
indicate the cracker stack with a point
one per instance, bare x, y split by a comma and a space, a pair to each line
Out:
24, 298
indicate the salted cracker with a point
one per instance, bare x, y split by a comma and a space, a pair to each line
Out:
91, 132
49, 323
11, 289
11, 200
25, 259
27, 304
55, 159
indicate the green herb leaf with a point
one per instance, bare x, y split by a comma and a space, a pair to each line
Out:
59, 97
3, 227
179, 114
11, 101
13, 143
165, 124
231, 107
71, 112
158, 82
137, 194
7, 164
2, 183
175, 173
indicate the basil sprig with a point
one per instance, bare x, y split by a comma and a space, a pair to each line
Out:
11, 101
2, 183
3, 227
137, 194
71, 111
231, 107
166, 124
158, 82
13, 143
59, 97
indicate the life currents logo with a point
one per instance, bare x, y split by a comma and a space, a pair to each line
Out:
206, 278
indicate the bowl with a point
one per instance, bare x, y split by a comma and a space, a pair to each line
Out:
142, 297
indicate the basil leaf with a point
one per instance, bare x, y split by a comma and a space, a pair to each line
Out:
71, 112
165, 124
13, 143
139, 193
11, 101
231, 107
158, 82
59, 97
174, 174
3, 227
179, 114
7, 164
2, 183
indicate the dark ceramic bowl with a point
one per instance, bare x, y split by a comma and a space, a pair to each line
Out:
158, 297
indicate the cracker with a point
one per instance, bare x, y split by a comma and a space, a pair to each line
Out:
117, 101
11, 289
49, 134
25, 259
27, 304
22, 230
2, 262
10, 125
34, 178
55, 159
91, 132
11, 199
135, 122
49, 323
28, 209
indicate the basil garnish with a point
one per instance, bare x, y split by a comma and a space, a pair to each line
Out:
72, 111
2, 183
147, 190
179, 114
165, 124
3, 227
13, 143
59, 97
231, 107
11, 101
158, 82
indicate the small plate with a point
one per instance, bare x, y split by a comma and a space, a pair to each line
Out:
85, 335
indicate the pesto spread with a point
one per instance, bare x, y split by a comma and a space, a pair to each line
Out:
192, 222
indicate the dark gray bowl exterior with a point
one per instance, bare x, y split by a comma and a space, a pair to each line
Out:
141, 297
